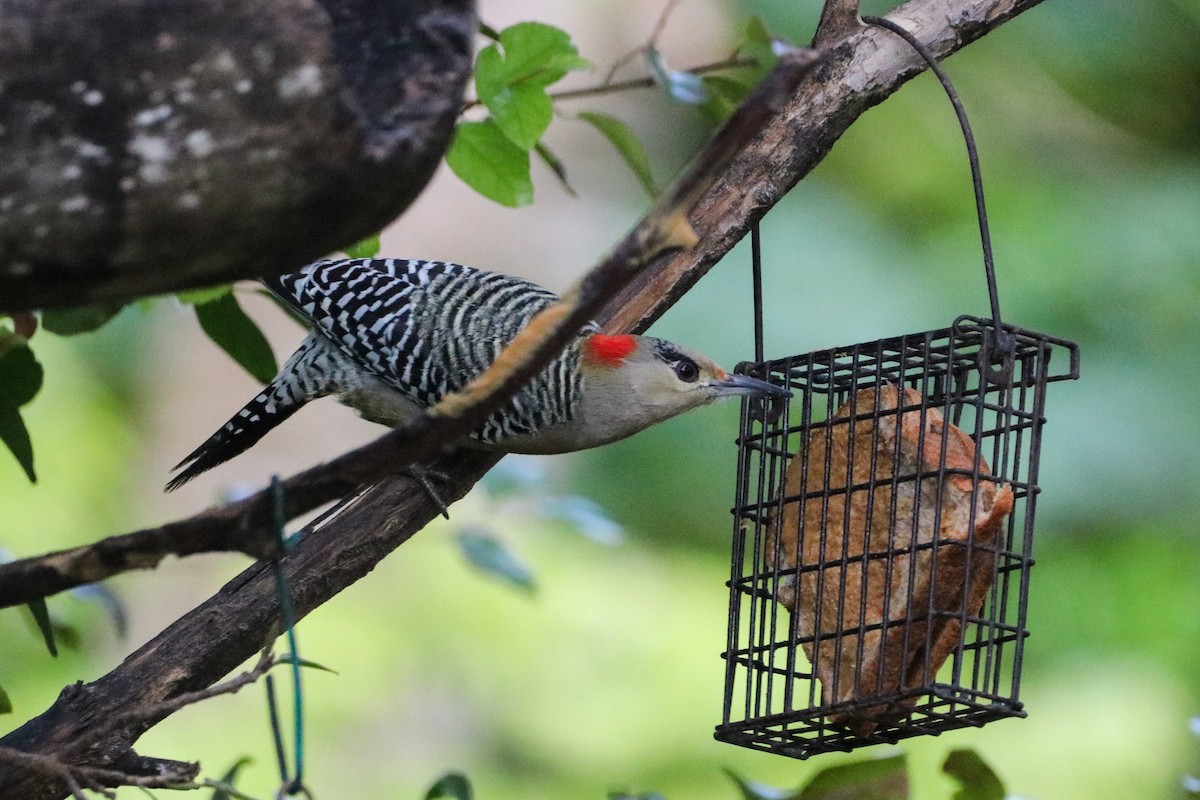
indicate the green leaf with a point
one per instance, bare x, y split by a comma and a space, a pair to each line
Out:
976, 779
641, 796
288, 658
876, 779
623, 139
196, 297
15, 436
756, 30
724, 95
495, 558
538, 54
523, 113
490, 76
367, 248
752, 790
5, 703
453, 785
20, 379
66, 635
70, 321
41, 615
555, 164
235, 333
487, 161
528, 56
229, 779
682, 87
288, 311
20, 376
492, 156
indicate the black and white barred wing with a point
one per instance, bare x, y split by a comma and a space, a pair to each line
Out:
424, 327
346, 303
428, 327
361, 305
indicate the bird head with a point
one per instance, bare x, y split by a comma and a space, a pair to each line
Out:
667, 374
632, 382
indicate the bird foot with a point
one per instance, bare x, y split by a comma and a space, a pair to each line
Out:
422, 476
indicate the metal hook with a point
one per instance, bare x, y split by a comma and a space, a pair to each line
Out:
1004, 341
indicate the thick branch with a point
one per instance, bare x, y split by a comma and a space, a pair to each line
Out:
205, 644
149, 147
213, 530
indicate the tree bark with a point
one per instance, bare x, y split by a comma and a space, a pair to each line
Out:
854, 74
148, 146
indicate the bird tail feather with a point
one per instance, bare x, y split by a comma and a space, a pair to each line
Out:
244, 429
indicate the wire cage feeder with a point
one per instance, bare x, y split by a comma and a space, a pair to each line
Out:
883, 529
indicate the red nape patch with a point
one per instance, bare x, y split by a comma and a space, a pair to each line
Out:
610, 350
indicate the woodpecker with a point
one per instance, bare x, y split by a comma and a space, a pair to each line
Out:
391, 337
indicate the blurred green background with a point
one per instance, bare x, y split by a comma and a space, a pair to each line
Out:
607, 676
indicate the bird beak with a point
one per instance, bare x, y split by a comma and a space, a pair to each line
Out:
732, 385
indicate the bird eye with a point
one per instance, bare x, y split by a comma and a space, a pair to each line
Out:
687, 371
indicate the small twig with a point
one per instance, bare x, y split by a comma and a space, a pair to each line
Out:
839, 20
608, 86
646, 81
620, 62
77, 778
661, 25
99, 779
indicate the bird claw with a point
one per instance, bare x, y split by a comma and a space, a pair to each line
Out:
422, 476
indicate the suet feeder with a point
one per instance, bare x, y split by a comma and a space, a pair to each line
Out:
883, 531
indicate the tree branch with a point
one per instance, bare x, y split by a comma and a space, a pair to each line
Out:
211, 531
128, 768
141, 222
209, 641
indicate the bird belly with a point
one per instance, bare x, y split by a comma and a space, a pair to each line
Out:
378, 402
567, 437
